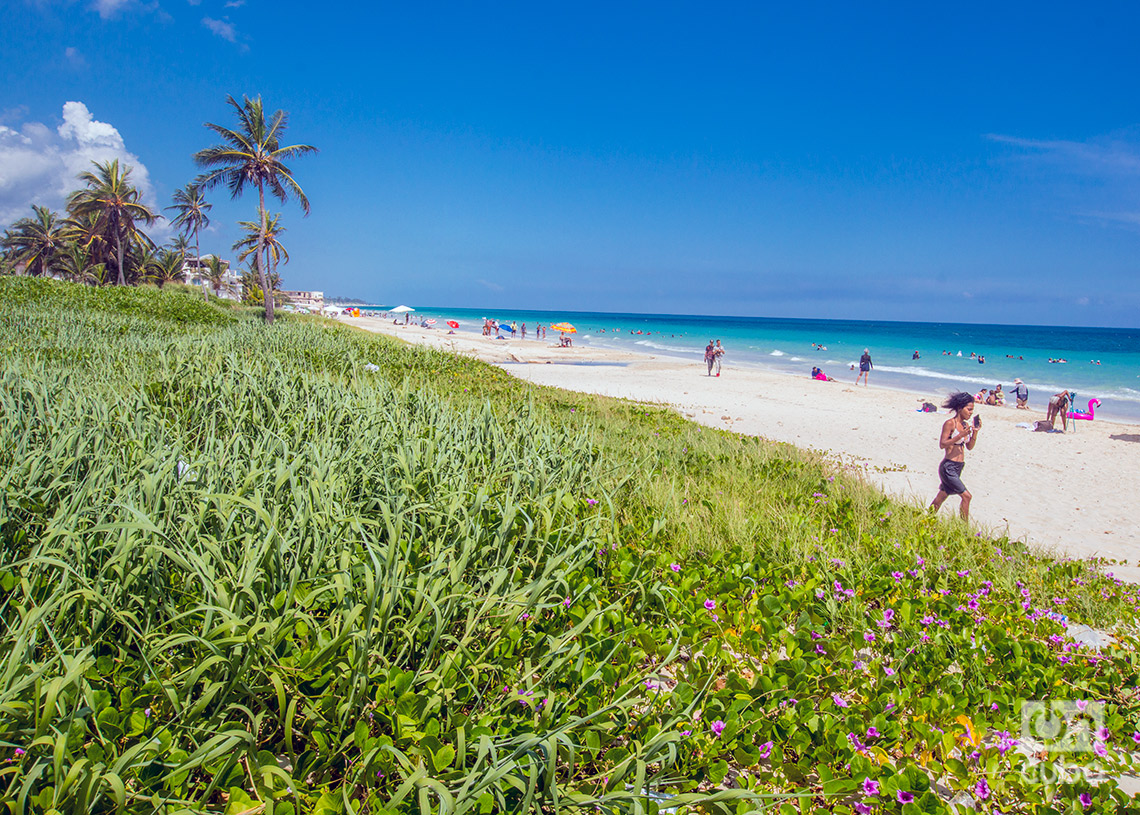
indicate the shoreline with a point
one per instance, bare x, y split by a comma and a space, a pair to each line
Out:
1064, 492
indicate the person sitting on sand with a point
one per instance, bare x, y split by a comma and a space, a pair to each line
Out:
958, 436
1021, 394
981, 396
998, 397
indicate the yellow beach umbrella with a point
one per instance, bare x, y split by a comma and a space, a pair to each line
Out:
565, 328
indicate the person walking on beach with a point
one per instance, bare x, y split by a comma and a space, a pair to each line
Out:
958, 436
710, 356
718, 352
864, 367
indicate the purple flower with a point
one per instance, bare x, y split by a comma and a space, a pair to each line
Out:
1085, 799
869, 637
710, 604
873, 732
870, 786
897, 576
863, 809
686, 732
1081, 705
717, 728
20, 751
1103, 734
904, 797
567, 602
819, 650
1100, 749
982, 790
835, 697
592, 501
765, 749
888, 670
675, 567
1136, 737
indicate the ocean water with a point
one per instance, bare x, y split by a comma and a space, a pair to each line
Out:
1102, 363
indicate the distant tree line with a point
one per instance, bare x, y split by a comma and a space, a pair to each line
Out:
101, 239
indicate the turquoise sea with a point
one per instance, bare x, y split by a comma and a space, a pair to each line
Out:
1102, 363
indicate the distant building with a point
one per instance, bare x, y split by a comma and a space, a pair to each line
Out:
305, 299
194, 270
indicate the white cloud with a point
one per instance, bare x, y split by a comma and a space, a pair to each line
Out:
38, 165
107, 8
1105, 155
74, 57
235, 3
489, 284
222, 28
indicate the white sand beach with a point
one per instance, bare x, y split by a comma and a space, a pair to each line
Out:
1071, 493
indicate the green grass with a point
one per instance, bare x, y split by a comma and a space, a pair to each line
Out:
242, 573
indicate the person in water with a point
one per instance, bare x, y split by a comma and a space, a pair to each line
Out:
958, 436
865, 366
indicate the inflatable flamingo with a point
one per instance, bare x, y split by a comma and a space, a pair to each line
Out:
1093, 404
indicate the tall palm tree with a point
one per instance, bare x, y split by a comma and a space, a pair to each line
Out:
192, 207
117, 206
253, 155
271, 246
37, 242
180, 244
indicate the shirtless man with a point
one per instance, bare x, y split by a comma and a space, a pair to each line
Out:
958, 436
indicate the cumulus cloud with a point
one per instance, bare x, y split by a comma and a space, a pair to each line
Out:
38, 165
223, 29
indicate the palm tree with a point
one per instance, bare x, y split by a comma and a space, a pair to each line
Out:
166, 267
117, 208
75, 262
36, 242
191, 205
179, 244
271, 246
215, 273
253, 154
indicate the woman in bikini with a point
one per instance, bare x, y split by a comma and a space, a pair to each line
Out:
958, 436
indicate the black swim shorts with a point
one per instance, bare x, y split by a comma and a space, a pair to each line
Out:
950, 476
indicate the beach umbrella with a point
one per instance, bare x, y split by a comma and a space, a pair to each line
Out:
429, 321
400, 310
506, 327
565, 328
453, 324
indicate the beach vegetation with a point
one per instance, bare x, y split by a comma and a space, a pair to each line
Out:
316, 570
36, 243
253, 155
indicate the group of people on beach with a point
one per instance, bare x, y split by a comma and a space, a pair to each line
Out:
713, 354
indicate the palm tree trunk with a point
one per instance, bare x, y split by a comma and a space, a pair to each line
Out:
262, 279
119, 245
198, 264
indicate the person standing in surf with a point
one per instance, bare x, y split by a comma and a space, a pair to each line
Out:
958, 436
710, 356
719, 352
864, 367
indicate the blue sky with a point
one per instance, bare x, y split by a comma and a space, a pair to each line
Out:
965, 163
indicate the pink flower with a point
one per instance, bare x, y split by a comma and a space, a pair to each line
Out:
904, 797
1085, 799
675, 567
835, 697
888, 670
869, 637
982, 790
862, 809
870, 786
710, 604
717, 728
872, 732
592, 501
567, 602
1100, 749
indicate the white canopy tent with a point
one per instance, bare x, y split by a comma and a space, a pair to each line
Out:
400, 309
